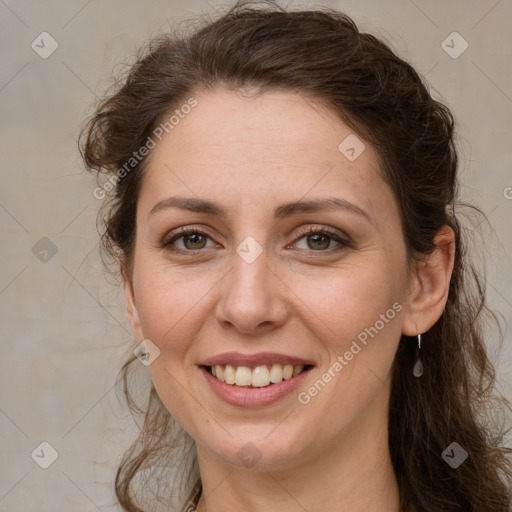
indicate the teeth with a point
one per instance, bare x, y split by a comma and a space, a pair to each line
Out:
229, 374
243, 376
276, 373
258, 377
297, 369
287, 371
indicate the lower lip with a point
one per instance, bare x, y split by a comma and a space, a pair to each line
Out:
253, 397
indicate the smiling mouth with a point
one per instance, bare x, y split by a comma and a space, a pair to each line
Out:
257, 376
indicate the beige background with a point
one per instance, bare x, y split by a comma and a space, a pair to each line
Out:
64, 333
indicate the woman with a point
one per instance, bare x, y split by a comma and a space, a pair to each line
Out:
282, 208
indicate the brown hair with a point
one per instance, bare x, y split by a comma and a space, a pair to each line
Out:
322, 55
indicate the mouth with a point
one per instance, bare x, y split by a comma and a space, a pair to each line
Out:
261, 376
254, 380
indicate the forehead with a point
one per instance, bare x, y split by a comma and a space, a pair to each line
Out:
262, 149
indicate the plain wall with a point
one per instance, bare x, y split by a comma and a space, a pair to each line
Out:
63, 326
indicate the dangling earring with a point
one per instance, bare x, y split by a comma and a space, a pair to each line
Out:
417, 370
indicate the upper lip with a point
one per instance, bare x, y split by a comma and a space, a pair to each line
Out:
260, 359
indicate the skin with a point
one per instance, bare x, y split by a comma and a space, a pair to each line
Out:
301, 296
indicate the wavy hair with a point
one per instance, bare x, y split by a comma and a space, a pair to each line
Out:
322, 55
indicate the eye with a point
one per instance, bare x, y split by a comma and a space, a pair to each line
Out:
193, 240
320, 240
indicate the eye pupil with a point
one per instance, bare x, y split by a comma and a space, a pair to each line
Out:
318, 238
194, 237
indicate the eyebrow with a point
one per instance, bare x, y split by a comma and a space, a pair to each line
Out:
205, 206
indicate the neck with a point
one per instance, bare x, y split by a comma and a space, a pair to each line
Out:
354, 473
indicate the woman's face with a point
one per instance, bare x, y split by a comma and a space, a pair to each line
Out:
251, 280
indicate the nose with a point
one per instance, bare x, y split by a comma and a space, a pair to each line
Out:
253, 297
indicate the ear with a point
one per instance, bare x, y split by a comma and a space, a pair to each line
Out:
430, 284
131, 309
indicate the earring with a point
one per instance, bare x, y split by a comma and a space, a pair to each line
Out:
417, 370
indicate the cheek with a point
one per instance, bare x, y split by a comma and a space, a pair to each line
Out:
357, 319
174, 305
171, 306
170, 303
345, 302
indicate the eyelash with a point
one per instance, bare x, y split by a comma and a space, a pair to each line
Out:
167, 244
